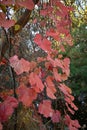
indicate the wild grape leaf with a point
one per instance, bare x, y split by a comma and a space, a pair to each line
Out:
45, 108
7, 2
64, 77
7, 108
4, 22
69, 109
63, 8
68, 40
50, 88
66, 90
48, 65
69, 99
26, 95
62, 48
56, 75
29, 4
53, 33
56, 116
19, 66
43, 12
66, 64
55, 63
46, 10
33, 65
5, 93
72, 124
40, 59
36, 82
1, 127
43, 43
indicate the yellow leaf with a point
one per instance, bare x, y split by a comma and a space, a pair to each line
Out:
17, 27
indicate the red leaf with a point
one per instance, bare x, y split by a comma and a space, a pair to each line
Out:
45, 108
66, 90
26, 95
43, 12
56, 116
7, 2
36, 82
3, 61
66, 63
72, 124
4, 22
69, 109
7, 108
56, 62
69, 40
29, 4
43, 43
62, 48
56, 75
19, 66
1, 127
50, 88
69, 101
48, 65
53, 33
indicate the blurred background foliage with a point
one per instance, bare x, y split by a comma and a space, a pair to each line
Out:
78, 52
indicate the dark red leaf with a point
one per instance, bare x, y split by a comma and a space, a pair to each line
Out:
7, 108
7, 2
4, 22
29, 4
1, 127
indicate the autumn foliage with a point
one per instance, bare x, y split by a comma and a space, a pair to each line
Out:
42, 80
